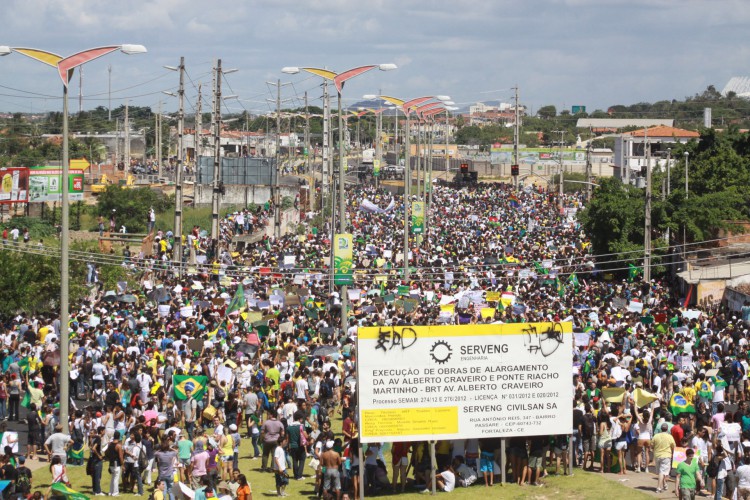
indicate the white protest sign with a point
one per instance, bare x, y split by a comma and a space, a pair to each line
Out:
289, 260
464, 382
387, 254
163, 310
634, 306
94, 321
186, 311
224, 373
354, 294
582, 339
691, 314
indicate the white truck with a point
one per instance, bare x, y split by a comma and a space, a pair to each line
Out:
368, 156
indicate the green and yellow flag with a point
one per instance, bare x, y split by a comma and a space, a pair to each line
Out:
68, 492
343, 259
678, 404
196, 383
238, 302
417, 217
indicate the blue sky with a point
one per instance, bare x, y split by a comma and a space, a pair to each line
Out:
563, 52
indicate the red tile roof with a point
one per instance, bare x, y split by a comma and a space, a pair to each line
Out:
664, 131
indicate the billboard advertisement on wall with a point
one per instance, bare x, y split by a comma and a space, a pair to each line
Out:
45, 184
537, 156
14, 185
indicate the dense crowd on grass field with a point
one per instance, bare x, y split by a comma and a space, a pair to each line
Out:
169, 376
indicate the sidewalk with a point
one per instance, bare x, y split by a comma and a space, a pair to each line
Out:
646, 483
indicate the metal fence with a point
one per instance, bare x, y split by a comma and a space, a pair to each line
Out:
246, 170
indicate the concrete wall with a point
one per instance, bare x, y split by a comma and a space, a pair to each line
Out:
241, 194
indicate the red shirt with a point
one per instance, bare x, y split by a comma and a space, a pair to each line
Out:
678, 434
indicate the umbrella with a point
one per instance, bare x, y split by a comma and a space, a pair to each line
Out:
110, 296
324, 350
128, 299
247, 349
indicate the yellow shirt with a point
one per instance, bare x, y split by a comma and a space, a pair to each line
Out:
228, 449
689, 392
663, 444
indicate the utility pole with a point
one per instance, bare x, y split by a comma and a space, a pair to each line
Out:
160, 149
516, 136
307, 140
109, 93
325, 170
589, 187
80, 90
177, 247
157, 138
418, 151
276, 189
647, 229
217, 158
198, 127
127, 137
276, 200
117, 142
379, 136
407, 192
561, 179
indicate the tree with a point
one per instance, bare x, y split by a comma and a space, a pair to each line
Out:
31, 283
131, 206
547, 112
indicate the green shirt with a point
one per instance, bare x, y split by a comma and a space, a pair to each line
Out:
687, 474
185, 448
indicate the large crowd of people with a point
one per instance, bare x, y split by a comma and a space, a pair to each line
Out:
656, 383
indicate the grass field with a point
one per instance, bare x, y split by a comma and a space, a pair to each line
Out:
582, 485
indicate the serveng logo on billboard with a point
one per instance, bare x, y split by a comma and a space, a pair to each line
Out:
441, 352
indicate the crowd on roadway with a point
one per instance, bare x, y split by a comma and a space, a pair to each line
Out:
262, 325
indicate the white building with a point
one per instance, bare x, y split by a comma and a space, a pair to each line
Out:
630, 147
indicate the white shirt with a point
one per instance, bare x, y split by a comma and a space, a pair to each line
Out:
743, 473
450, 480
301, 387
279, 459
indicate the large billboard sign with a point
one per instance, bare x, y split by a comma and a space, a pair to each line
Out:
14, 185
45, 184
463, 382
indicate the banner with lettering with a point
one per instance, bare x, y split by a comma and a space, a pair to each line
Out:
464, 381
342, 259
417, 217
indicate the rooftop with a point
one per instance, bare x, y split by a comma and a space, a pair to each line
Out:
664, 131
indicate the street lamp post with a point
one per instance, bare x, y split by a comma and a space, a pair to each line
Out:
177, 249
339, 80
65, 67
407, 107
687, 195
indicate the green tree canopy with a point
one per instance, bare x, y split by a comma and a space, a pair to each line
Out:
131, 206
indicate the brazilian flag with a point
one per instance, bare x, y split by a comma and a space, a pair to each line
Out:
76, 453
67, 492
678, 404
719, 383
704, 390
197, 383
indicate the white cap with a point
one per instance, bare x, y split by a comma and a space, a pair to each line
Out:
329, 444
233, 427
